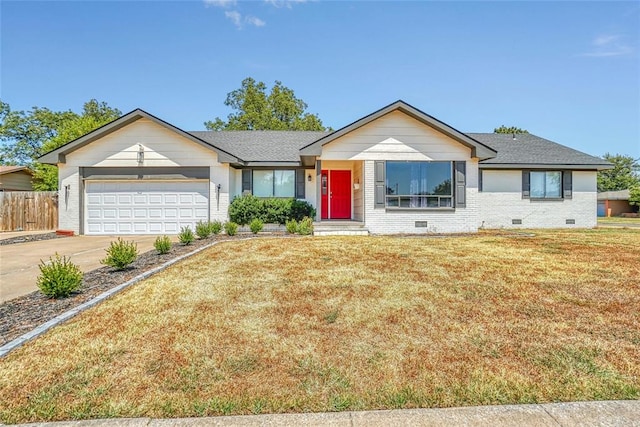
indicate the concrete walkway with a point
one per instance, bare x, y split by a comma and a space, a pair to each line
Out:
19, 262
610, 413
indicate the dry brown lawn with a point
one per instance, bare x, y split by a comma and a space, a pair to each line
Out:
326, 324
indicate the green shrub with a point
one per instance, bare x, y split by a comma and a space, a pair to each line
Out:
186, 236
162, 244
245, 208
231, 228
276, 211
300, 209
121, 254
306, 226
59, 278
203, 229
215, 227
292, 226
256, 226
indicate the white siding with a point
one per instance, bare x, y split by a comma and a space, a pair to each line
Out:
162, 147
501, 202
385, 221
395, 136
310, 187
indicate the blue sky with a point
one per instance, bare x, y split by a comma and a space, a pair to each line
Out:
566, 71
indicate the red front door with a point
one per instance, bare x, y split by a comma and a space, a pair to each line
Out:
336, 194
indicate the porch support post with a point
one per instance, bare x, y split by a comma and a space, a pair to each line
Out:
318, 190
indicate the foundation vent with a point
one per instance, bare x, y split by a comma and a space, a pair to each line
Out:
421, 224
516, 221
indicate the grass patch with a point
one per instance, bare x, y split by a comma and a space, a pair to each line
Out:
366, 323
618, 220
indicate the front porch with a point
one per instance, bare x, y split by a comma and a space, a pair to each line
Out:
340, 228
339, 192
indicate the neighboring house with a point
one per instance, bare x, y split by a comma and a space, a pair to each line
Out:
397, 170
15, 178
615, 203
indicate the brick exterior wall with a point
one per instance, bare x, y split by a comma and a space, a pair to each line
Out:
385, 221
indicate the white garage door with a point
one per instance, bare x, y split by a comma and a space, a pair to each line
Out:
144, 207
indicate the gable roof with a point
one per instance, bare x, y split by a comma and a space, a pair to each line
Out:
532, 152
58, 155
11, 169
478, 149
261, 146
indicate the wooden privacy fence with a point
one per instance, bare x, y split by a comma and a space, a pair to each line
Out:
28, 210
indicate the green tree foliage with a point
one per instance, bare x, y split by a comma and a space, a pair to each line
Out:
28, 135
634, 196
255, 110
509, 130
624, 175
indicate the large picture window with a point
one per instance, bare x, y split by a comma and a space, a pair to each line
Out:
274, 183
546, 185
419, 185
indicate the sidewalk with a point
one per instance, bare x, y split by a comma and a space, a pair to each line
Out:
609, 413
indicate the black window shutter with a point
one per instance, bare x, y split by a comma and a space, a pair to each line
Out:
567, 184
246, 180
300, 174
461, 183
380, 186
480, 180
525, 184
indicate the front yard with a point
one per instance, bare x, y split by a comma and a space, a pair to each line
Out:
331, 324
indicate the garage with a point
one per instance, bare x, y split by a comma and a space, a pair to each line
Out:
144, 206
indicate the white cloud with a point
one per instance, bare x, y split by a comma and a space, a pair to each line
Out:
252, 20
220, 3
607, 45
235, 17
284, 3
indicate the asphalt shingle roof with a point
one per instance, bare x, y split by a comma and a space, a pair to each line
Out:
284, 146
531, 149
261, 145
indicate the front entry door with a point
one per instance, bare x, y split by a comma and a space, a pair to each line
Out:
336, 194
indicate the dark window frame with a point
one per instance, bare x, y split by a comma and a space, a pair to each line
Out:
442, 202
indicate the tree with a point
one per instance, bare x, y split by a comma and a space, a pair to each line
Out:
634, 196
24, 133
28, 135
255, 110
509, 130
624, 175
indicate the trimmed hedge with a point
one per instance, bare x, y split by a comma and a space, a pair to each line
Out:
246, 208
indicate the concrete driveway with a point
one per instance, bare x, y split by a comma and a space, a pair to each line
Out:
19, 262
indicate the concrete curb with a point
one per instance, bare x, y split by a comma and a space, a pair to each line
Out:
12, 345
572, 414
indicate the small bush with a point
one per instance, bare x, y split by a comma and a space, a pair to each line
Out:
203, 229
59, 278
276, 211
186, 236
245, 208
162, 244
231, 228
291, 226
215, 227
121, 254
306, 226
256, 226
272, 210
300, 209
